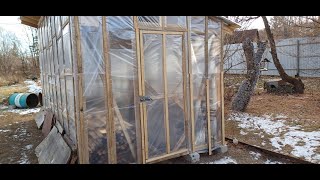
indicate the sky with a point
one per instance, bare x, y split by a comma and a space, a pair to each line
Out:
12, 23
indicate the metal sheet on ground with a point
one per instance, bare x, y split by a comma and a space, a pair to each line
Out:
40, 118
53, 149
47, 123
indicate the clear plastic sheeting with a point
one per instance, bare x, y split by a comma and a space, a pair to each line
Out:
122, 48
214, 69
164, 56
93, 87
154, 88
199, 78
175, 92
149, 21
176, 21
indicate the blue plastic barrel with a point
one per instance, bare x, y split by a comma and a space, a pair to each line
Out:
24, 100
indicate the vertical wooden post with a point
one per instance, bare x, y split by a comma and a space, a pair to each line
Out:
184, 76
144, 109
112, 155
190, 83
138, 93
298, 58
207, 85
222, 84
81, 131
164, 71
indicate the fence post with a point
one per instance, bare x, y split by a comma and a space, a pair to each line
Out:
298, 58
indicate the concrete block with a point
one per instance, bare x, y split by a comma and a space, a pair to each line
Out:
193, 157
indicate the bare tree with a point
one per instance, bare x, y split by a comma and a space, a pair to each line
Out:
246, 90
297, 83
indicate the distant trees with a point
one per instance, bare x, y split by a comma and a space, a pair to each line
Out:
16, 63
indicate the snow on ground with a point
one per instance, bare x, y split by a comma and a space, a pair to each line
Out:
33, 86
25, 111
224, 160
4, 130
272, 162
255, 155
24, 159
304, 144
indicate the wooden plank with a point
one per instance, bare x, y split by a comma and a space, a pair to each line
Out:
124, 128
208, 118
39, 118
59, 127
66, 127
222, 84
137, 94
112, 154
190, 86
168, 156
53, 149
81, 131
145, 130
48, 122
184, 76
207, 86
166, 111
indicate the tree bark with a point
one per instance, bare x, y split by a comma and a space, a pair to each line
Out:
297, 83
246, 90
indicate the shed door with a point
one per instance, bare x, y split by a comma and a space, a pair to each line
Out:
164, 94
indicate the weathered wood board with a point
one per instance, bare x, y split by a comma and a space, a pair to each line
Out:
53, 149
48, 122
40, 118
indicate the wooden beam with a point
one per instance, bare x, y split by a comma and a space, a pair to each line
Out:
166, 113
81, 131
185, 96
168, 156
207, 86
145, 130
112, 155
30, 20
138, 93
221, 83
190, 85
29, 24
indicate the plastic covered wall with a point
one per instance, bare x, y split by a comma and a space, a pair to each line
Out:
56, 71
165, 67
214, 76
93, 87
122, 55
197, 30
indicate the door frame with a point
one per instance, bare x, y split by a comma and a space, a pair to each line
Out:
143, 107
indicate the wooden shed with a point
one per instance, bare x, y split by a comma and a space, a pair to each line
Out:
134, 89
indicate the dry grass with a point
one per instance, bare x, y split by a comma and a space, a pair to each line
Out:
6, 91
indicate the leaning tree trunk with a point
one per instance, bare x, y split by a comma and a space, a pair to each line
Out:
297, 83
242, 98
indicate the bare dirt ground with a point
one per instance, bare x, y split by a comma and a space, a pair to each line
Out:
298, 111
236, 154
19, 135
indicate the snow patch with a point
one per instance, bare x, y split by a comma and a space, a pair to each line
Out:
28, 147
25, 111
33, 86
224, 160
242, 132
304, 144
251, 123
24, 159
272, 162
255, 155
4, 130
